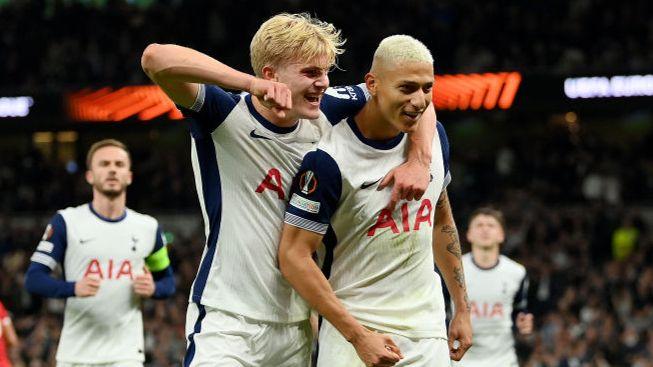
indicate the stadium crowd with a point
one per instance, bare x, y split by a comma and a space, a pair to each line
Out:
80, 44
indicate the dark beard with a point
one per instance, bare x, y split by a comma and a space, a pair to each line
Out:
110, 194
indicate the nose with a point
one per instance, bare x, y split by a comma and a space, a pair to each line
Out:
322, 81
420, 100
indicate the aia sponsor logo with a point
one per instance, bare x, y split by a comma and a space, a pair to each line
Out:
112, 269
404, 223
485, 310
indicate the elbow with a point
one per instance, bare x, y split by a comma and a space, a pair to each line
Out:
150, 57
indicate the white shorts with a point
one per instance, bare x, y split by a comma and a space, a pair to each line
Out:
335, 351
112, 364
225, 339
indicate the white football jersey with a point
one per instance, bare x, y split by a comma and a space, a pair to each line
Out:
493, 294
107, 327
379, 263
243, 167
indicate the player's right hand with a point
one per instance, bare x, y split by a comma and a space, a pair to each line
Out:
273, 95
377, 350
87, 287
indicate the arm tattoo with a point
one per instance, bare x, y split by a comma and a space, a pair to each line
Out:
441, 201
459, 276
454, 243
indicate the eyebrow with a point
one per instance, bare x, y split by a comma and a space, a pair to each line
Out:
410, 82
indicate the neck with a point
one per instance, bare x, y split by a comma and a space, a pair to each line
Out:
373, 125
288, 121
112, 208
485, 257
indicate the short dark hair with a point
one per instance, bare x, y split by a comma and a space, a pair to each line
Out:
489, 211
105, 143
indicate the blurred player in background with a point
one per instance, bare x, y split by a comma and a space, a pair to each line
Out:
246, 148
380, 262
8, 338
497, 288
112, 257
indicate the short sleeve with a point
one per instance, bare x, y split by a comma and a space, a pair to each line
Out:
52, 247
339, 103
211, 107
158, 259
444, 146
315, 193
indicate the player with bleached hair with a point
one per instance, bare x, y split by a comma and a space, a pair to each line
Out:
498, 290
246, 148
379, 262
111, 259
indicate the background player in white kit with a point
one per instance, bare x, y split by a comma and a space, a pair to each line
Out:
112, 257
497, 288
380, 262
245, 151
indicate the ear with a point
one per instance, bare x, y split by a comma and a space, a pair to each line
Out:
502, 238
89, 177
130, 177
269, 73
371, 83
469, 239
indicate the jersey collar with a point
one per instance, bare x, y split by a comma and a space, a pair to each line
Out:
487, 268
120, 218
386, 144
267, 124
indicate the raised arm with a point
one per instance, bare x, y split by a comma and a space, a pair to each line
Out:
179, 70
447, 254
411, 179
297, 266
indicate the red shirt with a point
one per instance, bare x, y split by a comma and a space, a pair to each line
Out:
4, 319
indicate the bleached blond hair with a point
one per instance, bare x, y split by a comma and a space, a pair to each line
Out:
294, 37
399, 48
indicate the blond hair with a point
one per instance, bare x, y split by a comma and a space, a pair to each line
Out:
289, 37
400, 48
104, 143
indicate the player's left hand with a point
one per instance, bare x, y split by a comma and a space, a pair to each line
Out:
411, 180
460, 331
524, 323
144, 283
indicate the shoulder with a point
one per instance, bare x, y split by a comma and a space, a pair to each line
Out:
142, 219
513, 267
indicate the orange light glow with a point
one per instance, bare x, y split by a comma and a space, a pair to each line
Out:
473, 91
106, 104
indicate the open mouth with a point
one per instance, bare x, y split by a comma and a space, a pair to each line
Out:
313, 98
412, 115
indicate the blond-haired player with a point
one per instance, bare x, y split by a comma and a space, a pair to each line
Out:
245, 151
379, 273
498, 288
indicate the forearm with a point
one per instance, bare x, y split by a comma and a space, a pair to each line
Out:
305, 276
420, 147
164, 284
447, 254
173, 63
39, 281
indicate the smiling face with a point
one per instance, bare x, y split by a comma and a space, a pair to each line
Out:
403, 91
109, 172
307, 82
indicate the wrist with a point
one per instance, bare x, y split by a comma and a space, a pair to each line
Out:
355, 333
